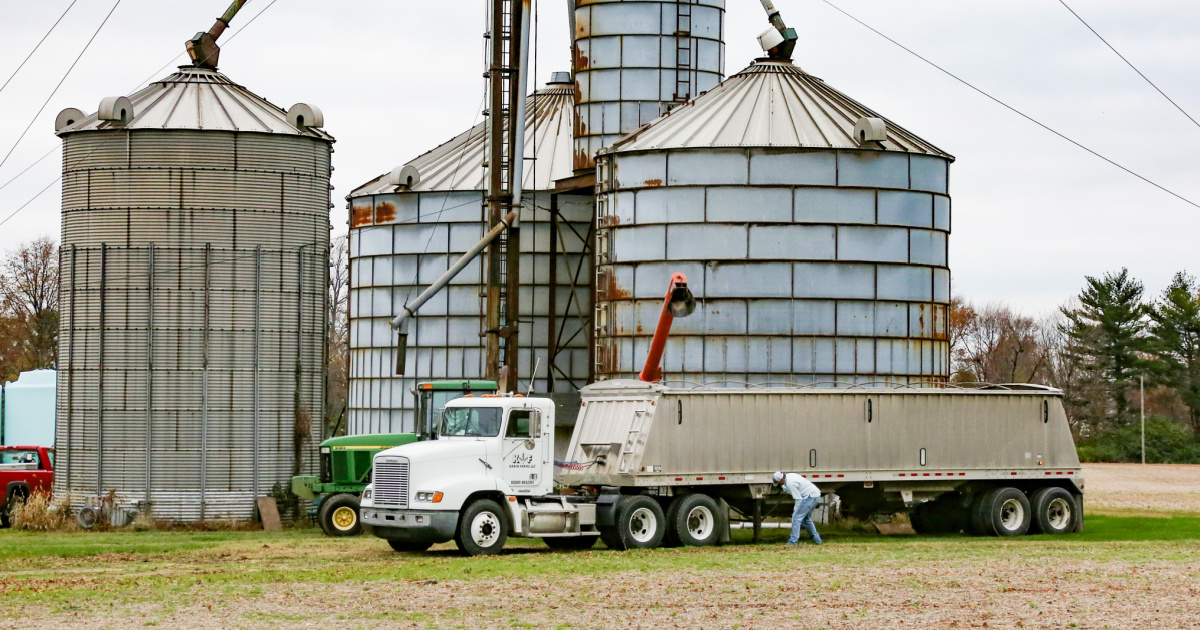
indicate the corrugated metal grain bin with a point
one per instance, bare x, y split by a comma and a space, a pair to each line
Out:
635, 59
195, 237
408, 226
813, 233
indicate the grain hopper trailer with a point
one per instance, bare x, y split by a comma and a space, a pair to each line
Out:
345, 470
649, 465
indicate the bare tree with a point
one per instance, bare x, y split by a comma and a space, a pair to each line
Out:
339, 333
29, 288
992, 344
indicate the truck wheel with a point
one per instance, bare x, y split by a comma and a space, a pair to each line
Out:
1053, 511
977, 514
339, 516
922, 518
482, 529
694, 521
573, 543
405, 546
1005, 512
640, 523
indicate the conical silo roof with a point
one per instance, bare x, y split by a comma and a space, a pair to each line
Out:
200, 99
459, 163
774, 104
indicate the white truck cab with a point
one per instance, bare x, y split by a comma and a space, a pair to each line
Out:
492, 464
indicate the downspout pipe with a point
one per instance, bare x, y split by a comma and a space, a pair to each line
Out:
522, 107
679, 302
202, 47
400, 322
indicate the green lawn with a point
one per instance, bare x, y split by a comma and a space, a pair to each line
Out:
176, 575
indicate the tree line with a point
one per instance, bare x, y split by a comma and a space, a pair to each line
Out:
1099, 348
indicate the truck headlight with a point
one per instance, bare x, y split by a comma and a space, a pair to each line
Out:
367, 492
429, 497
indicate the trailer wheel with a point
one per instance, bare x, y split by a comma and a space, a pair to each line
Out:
482, 529
570, 543
693, 520
339, 516
1053, 511
640, 524
1004, 512
408, 547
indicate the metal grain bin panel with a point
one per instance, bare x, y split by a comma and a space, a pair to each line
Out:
195, 271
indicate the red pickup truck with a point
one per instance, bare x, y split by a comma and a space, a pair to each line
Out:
23, 471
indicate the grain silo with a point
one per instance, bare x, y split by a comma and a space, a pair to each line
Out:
408, 226
195, 238
813, 233
636, 59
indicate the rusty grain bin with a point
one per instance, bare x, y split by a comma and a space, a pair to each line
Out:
812, 231
195, 237
407, 226
636, 59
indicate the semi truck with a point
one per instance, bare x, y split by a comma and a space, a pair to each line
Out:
649, 465
333, 496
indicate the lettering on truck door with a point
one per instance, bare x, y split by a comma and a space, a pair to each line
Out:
522, 457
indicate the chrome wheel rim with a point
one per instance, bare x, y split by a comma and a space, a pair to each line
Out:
485, 529
700, 522
344, 518
1058, 513
643, 524
1012, 514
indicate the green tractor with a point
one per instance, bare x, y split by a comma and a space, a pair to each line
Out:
346, 461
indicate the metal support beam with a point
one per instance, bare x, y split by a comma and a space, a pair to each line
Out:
204, 384
149, 373
257, 379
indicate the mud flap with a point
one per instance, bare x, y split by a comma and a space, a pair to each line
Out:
606, 510
723, 522
1079, 507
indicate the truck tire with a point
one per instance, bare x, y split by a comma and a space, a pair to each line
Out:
694, 521
980, 506
339, 516
482, 529
640, 523
1053, 511
1004, 512
923, 518
570, 543
408, 547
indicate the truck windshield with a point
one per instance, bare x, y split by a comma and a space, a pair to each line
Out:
470, 422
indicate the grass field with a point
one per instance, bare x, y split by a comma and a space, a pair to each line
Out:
1133, 567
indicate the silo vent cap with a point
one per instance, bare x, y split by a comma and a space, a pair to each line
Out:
869, 129
302, 115
559, 77
405, 176
116, 109
67, 117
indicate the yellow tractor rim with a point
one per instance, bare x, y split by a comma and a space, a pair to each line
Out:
344, 518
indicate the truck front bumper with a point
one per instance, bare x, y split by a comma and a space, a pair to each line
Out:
411, 525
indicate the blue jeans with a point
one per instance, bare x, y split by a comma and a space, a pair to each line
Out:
802, 519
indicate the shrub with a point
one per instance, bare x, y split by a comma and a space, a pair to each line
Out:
1167, 442
42, 513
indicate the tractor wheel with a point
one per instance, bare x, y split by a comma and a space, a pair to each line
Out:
339, 516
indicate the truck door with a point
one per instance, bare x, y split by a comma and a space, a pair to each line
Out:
522, 452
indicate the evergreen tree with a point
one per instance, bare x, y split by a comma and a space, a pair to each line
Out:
1106, 342
1175, 328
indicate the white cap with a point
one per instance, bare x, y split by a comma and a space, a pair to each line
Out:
778, 477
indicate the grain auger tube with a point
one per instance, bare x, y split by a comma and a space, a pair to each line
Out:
678, 302
203, 48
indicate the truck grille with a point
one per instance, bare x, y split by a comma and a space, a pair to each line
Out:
391, 483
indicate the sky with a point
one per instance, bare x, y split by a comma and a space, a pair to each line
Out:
1032, 214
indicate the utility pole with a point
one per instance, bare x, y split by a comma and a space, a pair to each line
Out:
1142, 392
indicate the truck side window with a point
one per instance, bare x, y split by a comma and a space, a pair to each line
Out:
518, 424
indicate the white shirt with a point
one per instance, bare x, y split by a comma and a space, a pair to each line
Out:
799, 487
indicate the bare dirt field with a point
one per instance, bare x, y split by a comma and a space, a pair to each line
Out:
1152, 487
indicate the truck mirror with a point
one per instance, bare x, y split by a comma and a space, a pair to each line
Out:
535, 423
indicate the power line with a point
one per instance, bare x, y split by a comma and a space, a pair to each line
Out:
39, 44
39, 161
1129, 63
60, 82
1011, 108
